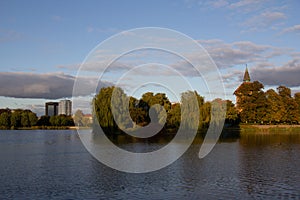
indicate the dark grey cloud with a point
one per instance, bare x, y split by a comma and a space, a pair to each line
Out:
287, 74
48, 86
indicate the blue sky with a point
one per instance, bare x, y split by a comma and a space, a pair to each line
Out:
42, 43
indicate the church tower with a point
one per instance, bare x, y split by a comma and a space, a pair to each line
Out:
238, 92
246, 76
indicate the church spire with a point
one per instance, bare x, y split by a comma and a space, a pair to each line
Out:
246, 75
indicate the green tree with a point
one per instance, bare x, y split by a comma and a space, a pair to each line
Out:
25, 122
32, 118
54, 120
15, 119
190, 110
291, 114
205, 114
297, 99
159, 98
139, 111
251, 103
103, 109
44, 121
231, 113
5, 120
65, 120
275, 108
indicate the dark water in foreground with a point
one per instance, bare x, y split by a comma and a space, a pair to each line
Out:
55, 165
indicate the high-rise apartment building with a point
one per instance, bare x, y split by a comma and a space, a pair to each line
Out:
65, 107
51, 108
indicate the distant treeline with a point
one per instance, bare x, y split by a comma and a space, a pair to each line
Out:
16, 119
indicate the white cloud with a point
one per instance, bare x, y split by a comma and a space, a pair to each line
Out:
247, 5
265, 20
225, 55
295, 28
228, 57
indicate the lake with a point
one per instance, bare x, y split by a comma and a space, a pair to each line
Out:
51, 164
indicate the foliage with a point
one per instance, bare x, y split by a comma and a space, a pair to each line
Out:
61, 120
17, 118
5, 120
270, 107
103, 109
44, 121
139, 110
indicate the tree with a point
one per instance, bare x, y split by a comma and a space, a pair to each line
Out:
65, 120
25, 122
297, 98
251, 102
5, 120
54, 120
190, 113
174, 117
44, 121
139, 111
103, 109
15, 119
291, 114
78, 117
32, 118
275, 107
231, 113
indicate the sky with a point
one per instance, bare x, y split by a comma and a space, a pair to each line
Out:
43, 43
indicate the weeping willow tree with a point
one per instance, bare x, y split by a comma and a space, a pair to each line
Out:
109, 100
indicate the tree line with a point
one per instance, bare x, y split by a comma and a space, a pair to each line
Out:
254, 106
19, 118
139, 110
271, 107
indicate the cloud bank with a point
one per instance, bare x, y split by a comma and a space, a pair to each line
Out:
47, 86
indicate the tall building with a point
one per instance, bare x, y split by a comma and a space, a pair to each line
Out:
51, 108
65, 107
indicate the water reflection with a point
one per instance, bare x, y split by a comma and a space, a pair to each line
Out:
54, 164
267, 165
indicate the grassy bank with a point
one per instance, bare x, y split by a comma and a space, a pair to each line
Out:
270, 129
43, 128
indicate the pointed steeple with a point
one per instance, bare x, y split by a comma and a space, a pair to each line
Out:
246, 75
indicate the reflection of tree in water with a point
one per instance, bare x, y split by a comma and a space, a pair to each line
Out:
264, 165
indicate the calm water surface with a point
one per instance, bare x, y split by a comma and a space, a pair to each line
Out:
55, 165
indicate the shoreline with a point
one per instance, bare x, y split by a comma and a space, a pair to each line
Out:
280, 126
241, 127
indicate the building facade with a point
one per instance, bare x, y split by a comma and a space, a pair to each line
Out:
65, 107
51, 109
